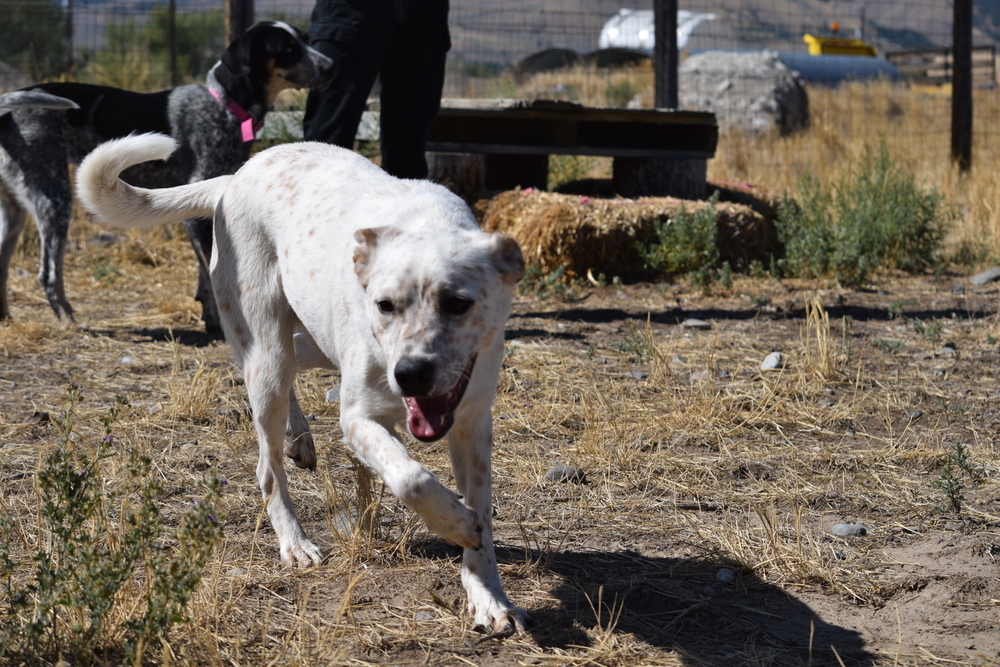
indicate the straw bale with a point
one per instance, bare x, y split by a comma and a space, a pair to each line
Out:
584, 233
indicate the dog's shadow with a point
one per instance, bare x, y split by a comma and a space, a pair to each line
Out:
677, 605
184, 337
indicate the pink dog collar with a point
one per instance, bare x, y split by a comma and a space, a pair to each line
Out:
249, 126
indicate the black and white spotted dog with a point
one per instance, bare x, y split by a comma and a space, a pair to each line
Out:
46, 127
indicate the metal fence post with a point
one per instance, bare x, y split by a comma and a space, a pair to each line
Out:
961, 86
665, 53
172, 40
239, 17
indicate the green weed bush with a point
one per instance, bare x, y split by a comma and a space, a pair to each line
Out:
63, 595
875, 216
685, 244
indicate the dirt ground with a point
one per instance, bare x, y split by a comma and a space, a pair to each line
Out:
703, 533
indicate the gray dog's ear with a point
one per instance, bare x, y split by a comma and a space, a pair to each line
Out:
368, 240
508, 258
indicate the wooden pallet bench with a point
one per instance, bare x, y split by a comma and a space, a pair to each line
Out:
655, 151
502, 144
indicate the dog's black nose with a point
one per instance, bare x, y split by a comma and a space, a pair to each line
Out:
415, 376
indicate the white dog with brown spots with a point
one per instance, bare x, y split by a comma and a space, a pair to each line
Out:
322, 259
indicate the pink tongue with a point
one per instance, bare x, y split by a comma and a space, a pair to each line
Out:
427, 416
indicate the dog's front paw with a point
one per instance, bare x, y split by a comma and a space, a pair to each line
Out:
498, 617
301, 553
458, 524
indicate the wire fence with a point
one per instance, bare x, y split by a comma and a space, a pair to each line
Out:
507, 49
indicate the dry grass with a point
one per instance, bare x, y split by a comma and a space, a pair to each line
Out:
696, 461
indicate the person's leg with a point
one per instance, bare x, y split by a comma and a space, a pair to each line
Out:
412, 81
357, 43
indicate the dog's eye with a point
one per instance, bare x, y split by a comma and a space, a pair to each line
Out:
457, 305
385, 306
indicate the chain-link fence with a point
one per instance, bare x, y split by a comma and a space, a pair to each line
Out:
591, 51
42, 39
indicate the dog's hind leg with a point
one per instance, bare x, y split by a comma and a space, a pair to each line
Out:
12, 218
299, 445
51, 206
199, 231
469, 444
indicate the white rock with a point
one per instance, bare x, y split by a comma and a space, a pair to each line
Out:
772, 361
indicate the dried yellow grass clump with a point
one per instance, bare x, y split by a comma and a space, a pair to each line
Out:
600, 235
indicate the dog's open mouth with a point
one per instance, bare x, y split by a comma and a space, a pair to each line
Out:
430, 417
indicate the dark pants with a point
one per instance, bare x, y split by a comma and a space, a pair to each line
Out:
404, 44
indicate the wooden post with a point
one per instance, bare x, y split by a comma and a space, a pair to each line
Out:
961, 86
665, 53
239, 17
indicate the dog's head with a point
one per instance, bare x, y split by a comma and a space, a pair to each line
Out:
436, 299
277, 56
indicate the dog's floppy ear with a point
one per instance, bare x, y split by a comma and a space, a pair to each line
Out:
236, 58
368, 240
508, 258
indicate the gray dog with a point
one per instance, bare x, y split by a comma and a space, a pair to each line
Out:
46, 127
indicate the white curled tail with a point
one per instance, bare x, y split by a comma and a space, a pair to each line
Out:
119, 204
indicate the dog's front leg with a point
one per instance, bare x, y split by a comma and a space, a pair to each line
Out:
442, 509
470, 446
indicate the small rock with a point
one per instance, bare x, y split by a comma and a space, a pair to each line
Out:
680, 359
773, 361
882, 292
840, 555
126, 361
344, 523
333, 395
947, 351
424, 616
698, 376
725, 575
708, 590
639, 375
947, 383
826, 402
566, 474
693, 323
105, 239
235, 413
850, 530
723, 375
34, 417
915, 414
958, 289
21, 273
829, 392
985, 277
939, 372
236, 572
